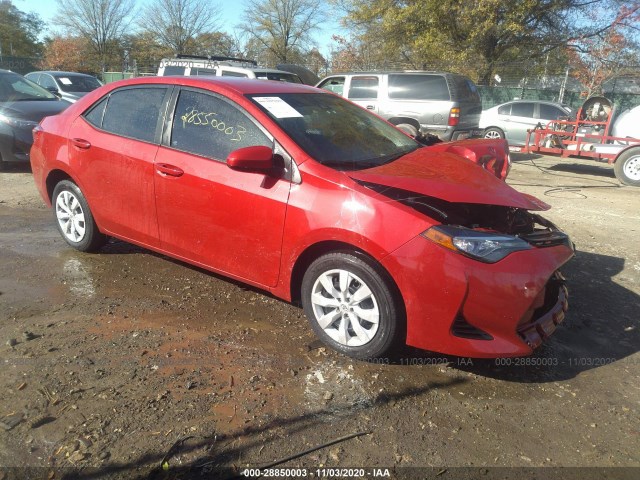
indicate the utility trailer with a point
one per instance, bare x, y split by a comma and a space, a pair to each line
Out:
588, 136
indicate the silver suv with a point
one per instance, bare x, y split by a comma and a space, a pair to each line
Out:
444, 104
222, 66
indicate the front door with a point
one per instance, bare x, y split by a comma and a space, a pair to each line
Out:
227, 220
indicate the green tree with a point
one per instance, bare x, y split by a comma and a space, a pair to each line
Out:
19, 31
474, 36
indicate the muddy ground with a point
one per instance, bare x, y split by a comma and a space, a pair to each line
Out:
115, 365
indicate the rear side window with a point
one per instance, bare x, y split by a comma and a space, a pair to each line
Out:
172, 71
209, 126
134, 112
363, 87
418, 87
522, 110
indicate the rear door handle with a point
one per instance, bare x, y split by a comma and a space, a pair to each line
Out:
80, 143
370, 107
165, 169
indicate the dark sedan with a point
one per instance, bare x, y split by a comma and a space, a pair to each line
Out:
22, 105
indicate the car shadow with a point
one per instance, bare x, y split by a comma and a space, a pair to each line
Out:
596, 169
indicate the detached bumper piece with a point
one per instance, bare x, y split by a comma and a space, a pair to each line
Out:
551, 307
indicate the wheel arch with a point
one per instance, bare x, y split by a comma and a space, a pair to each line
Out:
53, 178
316, 250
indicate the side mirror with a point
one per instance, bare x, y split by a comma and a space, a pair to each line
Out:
257, 158
53, 90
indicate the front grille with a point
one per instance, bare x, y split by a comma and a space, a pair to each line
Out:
547, 238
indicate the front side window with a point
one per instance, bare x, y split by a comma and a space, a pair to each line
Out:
418, 87
209, 126
46, 81
363, 87
549, 112
334, 131
133, 112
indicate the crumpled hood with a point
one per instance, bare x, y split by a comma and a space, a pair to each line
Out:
449, 177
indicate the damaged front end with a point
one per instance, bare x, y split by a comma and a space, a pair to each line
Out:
504, 294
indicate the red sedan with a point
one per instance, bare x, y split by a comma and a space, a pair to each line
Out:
306, 195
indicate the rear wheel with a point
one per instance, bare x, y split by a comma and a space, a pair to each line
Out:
352, 306
494, 133
74, 219
627, 167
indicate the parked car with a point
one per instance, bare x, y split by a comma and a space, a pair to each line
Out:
443, 104
22, 106
69, 86
511, 120
222, 67
304, 194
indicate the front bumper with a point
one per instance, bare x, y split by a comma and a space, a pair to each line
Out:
459, 306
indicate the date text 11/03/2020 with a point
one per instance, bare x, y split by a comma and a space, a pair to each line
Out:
323, 472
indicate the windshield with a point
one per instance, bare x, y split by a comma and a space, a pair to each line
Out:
334, 131
77, 83
14, 88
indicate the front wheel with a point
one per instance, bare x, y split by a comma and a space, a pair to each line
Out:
74, 219
627, 167
352, 306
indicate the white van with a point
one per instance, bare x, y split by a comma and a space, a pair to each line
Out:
222, 67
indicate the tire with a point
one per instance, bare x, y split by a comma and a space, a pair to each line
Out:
365, 323
627, 167
74, 219
493, 132
408, 129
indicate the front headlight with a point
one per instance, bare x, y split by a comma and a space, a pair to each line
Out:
483, 246
17, 122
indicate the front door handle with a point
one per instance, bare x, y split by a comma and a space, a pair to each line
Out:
80, 143
165, 169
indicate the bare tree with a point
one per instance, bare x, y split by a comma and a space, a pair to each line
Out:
102, 22
283, 27
176, 23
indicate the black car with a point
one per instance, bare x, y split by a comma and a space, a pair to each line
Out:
22, 105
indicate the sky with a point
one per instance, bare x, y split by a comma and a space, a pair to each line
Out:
230, 17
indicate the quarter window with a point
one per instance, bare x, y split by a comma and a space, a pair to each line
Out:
132, 112
363, 87
209, 126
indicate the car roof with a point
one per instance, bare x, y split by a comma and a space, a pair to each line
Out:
387, 72
240, 86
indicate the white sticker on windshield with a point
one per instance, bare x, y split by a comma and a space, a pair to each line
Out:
278, 107
65, 80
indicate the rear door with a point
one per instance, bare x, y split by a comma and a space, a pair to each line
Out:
227, 220
112, 147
